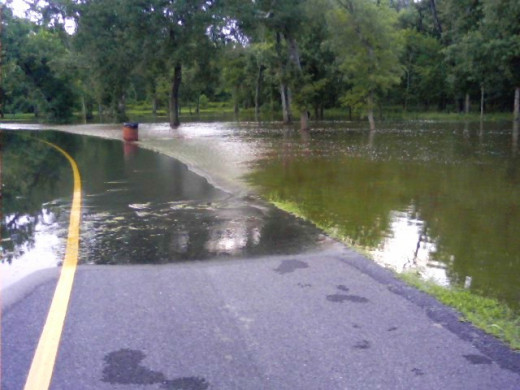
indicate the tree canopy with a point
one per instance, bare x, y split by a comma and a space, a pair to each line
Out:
295, 56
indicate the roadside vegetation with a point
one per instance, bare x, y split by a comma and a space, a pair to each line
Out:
486, 313
290, 60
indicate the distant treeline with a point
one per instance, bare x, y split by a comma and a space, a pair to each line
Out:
297, 57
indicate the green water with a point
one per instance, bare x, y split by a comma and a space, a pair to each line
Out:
442, 200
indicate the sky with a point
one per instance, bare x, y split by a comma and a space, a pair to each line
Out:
19, 8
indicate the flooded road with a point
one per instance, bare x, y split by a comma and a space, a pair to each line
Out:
326, 318
438, 199
139, 207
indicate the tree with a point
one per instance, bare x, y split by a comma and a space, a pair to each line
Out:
367, 45
501, 29
37, 77
424, 79
103, 43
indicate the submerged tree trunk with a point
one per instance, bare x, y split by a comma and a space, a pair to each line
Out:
174, 96
516, 112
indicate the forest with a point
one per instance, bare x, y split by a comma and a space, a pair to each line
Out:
92, 59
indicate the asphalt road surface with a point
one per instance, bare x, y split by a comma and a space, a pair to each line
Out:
322, 320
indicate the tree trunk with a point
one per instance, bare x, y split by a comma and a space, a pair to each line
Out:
304, 121
174, 96
258, 89
121, 109
1, 63
235, 100
370, 113
482, 96
295, 57
83, 109
284, 89
436, 20
286, 104
154, 104
467, 104
516, 112
516, 123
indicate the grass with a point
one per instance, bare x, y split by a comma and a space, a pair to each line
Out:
19, 117
144, 110
488, 314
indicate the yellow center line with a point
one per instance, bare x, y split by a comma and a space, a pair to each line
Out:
40, 373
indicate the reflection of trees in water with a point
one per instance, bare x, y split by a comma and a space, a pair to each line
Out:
469, 206
191, 230
34, 176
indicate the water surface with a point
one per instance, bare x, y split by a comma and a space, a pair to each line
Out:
439, 199
138, 206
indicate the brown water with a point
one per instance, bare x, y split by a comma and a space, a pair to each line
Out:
439, 199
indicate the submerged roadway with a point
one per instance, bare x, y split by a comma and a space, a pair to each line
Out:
326, 318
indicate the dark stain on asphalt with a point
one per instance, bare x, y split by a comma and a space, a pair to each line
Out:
477, 359
339, 298
363, 344
123, 367
288, 266
188, 383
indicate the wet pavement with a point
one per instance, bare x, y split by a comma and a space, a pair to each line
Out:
139, 207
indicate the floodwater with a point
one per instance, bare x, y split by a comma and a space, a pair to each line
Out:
442, 200
439, 199
138, 207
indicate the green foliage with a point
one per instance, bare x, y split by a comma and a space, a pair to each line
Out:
486, 313
35, 71
322, 53
367, 44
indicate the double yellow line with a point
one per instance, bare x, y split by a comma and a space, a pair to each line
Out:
40, 373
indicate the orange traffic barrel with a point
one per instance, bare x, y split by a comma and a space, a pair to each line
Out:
130, 131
